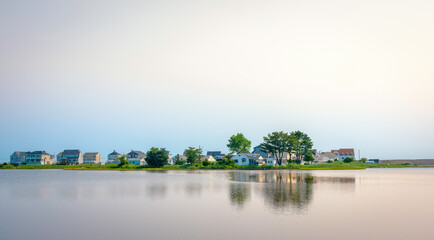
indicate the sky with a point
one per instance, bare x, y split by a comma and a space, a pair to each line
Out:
105, 75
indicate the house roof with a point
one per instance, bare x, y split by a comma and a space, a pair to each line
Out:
71, 152
20, 154
37, 152
114, 153
91, 154
139, 153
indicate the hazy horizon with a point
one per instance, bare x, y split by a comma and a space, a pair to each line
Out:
104, 75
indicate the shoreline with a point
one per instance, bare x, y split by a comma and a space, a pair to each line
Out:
112, 167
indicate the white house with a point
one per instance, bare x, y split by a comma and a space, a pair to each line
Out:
244, 159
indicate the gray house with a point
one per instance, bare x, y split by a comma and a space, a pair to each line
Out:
70, 157
136, 157
18, 158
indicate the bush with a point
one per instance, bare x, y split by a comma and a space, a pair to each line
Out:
329, 161
179, 162
348, 160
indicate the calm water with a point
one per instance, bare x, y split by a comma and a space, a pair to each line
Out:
370, 204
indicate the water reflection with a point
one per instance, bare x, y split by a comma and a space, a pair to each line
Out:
283, 191
239, 194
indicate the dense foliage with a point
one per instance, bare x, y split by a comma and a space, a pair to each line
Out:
157, 157
238, 143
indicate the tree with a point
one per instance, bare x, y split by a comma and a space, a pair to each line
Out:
309, 158
156, 157
193, 155
238, 143
302, 145
363, 160
348, 160
278, 143
179, 162
123, 161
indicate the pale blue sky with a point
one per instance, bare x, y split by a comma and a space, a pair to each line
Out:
104, 75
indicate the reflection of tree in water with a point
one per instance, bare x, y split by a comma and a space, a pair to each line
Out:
291, 191
239, 194
193, 189
155, 191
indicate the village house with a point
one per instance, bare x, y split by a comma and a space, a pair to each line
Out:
217, 155
208, 158
179, 157
92, 158
343, 153
112, 158
244, 159
39, 158
18, 158
170, 160
136, 157
265, 155
324, 157
70, 157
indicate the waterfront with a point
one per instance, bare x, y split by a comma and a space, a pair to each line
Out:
345, 204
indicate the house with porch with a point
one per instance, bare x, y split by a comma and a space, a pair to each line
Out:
92, 158
112, 158
136, 157
39, 158
70, 157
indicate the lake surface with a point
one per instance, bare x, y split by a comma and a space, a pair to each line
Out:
198, 205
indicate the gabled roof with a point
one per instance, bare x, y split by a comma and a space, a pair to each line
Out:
20, 154
114, 153
37, 152
139, 153
71, 152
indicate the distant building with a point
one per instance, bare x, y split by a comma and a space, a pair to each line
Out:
343, 153
325, 157
39, 158
265, 155
179, 157
18, 158
208, 158
92, 158
217, 155
244, 159
70, 157
112, 158
170, 160
374, 160
136, 157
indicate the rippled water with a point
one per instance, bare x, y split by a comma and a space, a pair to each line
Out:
365, 204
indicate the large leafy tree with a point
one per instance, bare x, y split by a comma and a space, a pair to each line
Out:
123, 161
156, 157
193, 155
302, 144
278, 143
238, 143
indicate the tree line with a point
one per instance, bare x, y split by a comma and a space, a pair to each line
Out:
277, 144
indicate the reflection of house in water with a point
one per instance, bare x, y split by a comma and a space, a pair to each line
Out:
282, 190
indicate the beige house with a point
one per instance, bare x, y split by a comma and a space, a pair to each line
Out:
92, 158
39, 158
208, 158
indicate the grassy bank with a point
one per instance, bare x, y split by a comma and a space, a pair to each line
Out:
325, 166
